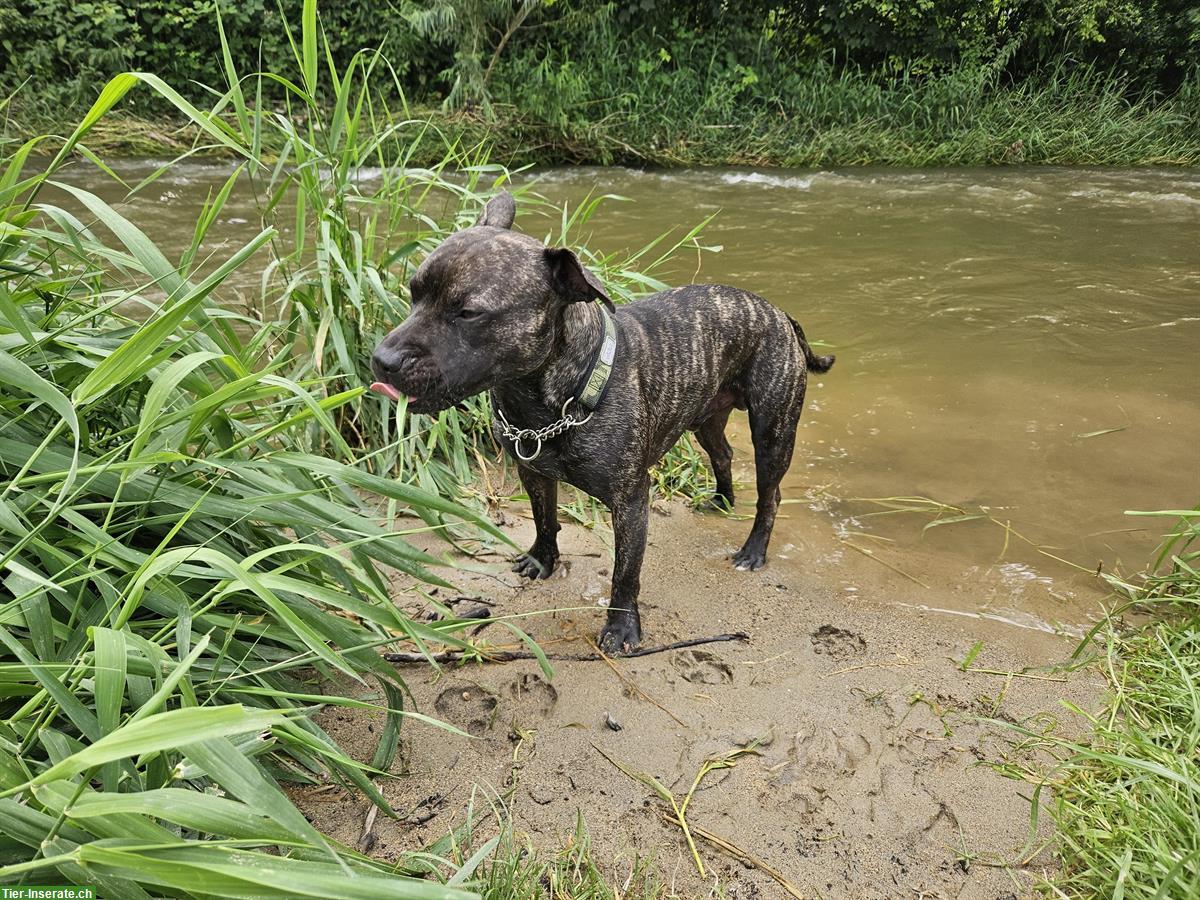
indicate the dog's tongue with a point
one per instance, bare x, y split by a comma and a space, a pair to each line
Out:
387, 390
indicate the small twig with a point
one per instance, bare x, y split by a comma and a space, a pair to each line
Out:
663, 794
763, 662
742, 856
883, 562
901, 662
484, 655
1004, 674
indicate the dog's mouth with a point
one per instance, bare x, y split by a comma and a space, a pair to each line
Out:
429, 404
387, 390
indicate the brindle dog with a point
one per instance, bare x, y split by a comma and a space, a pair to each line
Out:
494, 310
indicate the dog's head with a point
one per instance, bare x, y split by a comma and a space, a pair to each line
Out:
486, 306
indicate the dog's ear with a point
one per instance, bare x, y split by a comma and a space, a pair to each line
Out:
573, 281
499, 212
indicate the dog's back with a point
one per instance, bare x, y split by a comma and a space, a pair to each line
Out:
698, 343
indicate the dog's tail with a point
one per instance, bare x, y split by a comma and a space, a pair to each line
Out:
812, 362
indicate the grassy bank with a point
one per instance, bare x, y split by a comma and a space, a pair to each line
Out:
827, 117
1128, 810
1098, 82
962, 118
1126, 798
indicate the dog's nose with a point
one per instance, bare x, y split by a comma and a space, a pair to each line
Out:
388, 362
385, 362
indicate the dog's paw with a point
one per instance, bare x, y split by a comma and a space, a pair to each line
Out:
537, 563
749, 559
620, 635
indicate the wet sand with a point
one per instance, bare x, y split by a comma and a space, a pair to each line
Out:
871, 778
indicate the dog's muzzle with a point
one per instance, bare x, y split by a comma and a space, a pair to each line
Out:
407, 373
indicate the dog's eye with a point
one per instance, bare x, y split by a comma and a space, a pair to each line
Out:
469, 314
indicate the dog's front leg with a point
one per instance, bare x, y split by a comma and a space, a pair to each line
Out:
630, 517
541, 558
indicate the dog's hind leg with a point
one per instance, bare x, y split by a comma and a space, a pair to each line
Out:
540, 559
776, 394
711, 435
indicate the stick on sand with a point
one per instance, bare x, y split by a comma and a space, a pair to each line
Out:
485, 655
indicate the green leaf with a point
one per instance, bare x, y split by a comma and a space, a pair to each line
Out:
232, 872
309, 39
970, 657
233, 771
15, 373
198, 811
950, 520
163, 731
111, 652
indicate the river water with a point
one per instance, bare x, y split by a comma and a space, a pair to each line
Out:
1020, 344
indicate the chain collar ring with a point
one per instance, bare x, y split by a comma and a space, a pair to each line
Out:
553, 430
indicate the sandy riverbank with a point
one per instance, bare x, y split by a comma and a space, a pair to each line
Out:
871, 780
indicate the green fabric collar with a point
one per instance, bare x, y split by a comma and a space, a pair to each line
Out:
595, 383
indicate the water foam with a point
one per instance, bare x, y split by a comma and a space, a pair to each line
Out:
796, 182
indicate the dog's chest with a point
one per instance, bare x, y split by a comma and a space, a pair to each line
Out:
561, 458
548, 460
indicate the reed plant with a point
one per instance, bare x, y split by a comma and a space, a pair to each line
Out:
181, 574
189, 558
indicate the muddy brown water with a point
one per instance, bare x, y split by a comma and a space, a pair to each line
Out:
1017, 344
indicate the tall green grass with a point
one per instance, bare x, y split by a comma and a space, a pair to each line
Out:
698, 112
181, 575
1127, 797
188, 555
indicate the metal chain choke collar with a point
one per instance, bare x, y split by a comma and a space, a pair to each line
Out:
553, 430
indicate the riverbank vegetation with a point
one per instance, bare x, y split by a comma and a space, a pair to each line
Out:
1127, 806
667, 83
1125, 796
185, 565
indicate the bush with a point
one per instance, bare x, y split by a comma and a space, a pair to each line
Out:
180, 575
455, 50
63, 49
